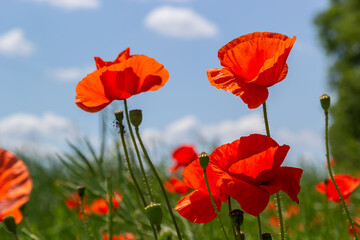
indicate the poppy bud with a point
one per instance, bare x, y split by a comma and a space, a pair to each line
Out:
119, 115
266, 236
136, 117
204, 160
81, 191
154, 213
325, 102
237, 218
10, 224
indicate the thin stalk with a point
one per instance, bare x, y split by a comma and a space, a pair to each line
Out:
213, 203
278, 195
132, 173
232, 225
137, 152
110, 213
259, 226
160, 183
86, 226
331, 173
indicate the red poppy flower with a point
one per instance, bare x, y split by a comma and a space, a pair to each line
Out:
357, 229
292, 210
249, 170
118, 80
175, 185
73, 201
274, 221
183, 156
126, 236
100, 205
15, 185
252, 63
346, 184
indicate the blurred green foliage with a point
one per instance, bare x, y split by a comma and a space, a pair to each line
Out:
339, 31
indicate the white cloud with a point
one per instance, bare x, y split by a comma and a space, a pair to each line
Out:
70, 74
14, 42
71, 4
46, 133
179, 22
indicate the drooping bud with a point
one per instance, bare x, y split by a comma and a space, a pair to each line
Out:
266, 236
237, 218
136, 117
10, 224
119, 115
81, 191
154, 213
204, 160
325, 102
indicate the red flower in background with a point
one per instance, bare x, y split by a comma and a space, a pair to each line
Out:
346, 184
73, 201
249, 170
118, 80
175, 185
357, 229
252, 63
183, 156
100, 205
15, 185
126, 236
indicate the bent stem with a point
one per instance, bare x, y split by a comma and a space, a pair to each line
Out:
153, 169
331, 173
278, 195
213, 203
122, 132
137, 152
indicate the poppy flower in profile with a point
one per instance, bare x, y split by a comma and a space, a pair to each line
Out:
15, 185
126, 236
346, 184
252, 63
100, 205
183, 156
128, 75
249, 170
175, 185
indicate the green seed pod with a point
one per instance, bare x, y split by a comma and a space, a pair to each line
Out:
237, 218
154, 213
204, 160
266, 236
10, 224
136, 117
81, 191
325, 102
119, 115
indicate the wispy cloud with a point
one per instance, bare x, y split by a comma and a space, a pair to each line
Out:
14, 43
69, 74
180, 22
46, 133
71, 4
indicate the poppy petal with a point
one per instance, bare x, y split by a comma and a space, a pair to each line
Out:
16, 214
197, 207
252, 199
320, 187
121, 57
287, 180
89, 109
346, 184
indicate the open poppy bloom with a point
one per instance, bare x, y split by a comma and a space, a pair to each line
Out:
15, 185
346, 184
183, 156
100, 205
249, 170
252, 63
128, 75
175, 185
126, 236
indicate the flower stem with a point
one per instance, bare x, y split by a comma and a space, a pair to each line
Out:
331, 173
278, 195
110, 217
259, 226
122, 132
86, 226
232, 225
153, 169
137, 152
213, 203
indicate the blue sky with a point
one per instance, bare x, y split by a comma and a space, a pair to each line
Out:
47, 46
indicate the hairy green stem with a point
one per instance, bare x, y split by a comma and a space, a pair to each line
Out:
137, 152
232, 225
331, 173
110, 214
259, 226
213, 203
153, 169
278, 195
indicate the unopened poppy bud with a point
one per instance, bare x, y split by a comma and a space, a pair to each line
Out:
325, 102
119, 115
204, 160
136, 117
237, 218
81, 191
154, 213
10, 224
266, 236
